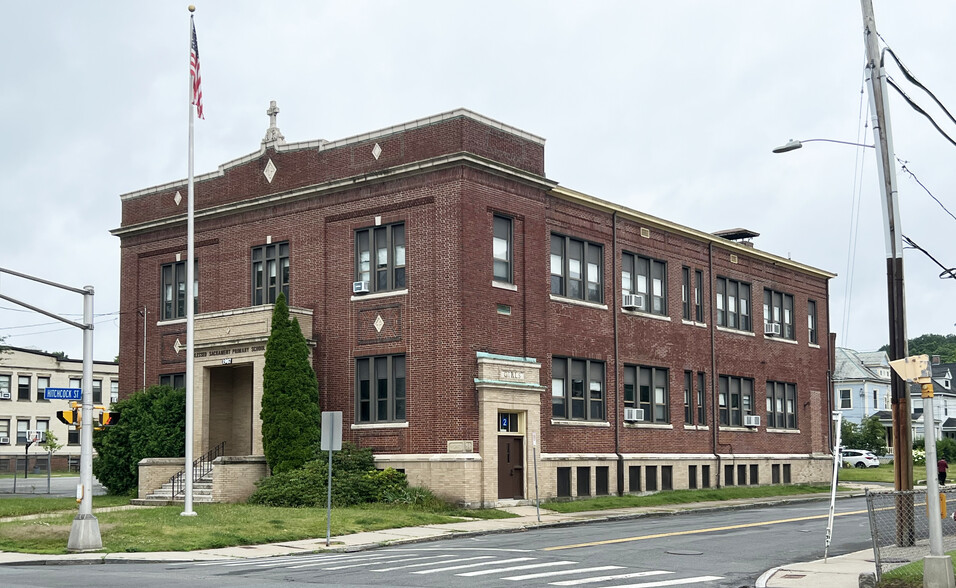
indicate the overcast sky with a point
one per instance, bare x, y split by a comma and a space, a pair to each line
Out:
670, 108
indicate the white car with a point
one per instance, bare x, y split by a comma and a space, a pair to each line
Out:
859, 458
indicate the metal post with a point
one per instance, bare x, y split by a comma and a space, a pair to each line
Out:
932, 484
85, 531
328, 506
837, 421
190, 310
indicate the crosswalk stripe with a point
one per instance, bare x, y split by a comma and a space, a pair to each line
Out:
431, 563
563, 573
515, 568
371, 563
675, 582
322, 561
606, 578
481, 563
419, 565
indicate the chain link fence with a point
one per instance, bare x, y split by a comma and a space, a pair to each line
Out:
900, 528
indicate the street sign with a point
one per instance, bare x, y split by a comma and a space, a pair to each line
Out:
331, 431
63, 394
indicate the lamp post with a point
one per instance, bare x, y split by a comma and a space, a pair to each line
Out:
797, 144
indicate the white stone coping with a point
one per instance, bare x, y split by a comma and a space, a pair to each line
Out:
735, 331
576, 302
786, 431
370, 426
504, 285
524, 362
427, 457
781, 339
693, 323
578, 456
574, 423
644, 314
378, 295
643, 425
696, 427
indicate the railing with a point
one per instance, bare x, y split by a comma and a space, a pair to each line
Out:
201, 466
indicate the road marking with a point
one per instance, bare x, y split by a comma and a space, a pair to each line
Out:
606, 578
431, 563
473, 565
373, 563
698, 531
563, 573
676, 582
516, 568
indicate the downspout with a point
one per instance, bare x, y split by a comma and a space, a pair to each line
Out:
617, 368
715, 409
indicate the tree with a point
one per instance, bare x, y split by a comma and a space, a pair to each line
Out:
869, 435
152, 424
290, 396
50, 442
942, 345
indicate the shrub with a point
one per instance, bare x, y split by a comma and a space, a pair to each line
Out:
152, 424
354, 481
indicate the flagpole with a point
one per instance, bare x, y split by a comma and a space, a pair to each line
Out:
190, 297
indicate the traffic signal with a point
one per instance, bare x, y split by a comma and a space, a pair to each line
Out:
69, 417
108, 418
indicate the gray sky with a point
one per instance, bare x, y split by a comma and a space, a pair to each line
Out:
671, 108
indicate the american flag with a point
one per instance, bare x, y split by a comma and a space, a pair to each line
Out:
194, 78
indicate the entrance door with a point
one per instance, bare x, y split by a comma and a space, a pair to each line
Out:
510, 467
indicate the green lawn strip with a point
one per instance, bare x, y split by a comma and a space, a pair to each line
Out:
908, 576
682, 497
216, 525
18, 507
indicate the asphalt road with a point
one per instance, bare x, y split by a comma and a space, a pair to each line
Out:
725, 549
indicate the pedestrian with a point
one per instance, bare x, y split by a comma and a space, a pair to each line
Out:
941, 467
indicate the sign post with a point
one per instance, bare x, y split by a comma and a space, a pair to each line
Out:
331, 441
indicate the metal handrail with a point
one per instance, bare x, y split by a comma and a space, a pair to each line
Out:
201, 466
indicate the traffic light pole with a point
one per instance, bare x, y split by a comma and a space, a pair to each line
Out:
85, 531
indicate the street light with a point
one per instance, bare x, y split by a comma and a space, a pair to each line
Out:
797, 144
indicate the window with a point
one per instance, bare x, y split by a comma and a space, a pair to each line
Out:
577, 389
174, 290
694, 405
634, 478
72, 436
76, 383
650, 478
846, 399
601, 480
705, 476
689, 397
23, 388
43, 382
564, 482
380, 257
114, 391
652, 392
22, 427
647, 277
778, 310
812, 321
502, 245
5, 428
734, 399
691, 294
97, 391
4, 387
270, 273
584, 481
577, 269
781, 405
701, 399
380, 389
692, 477
43, 426
733, 304
173, 380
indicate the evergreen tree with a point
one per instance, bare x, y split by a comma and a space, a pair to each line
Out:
290, 396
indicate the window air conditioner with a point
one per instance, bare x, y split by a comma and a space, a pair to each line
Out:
5, 395
632, 415
633, 301
360, 287
751, 420
771, 328
4, 440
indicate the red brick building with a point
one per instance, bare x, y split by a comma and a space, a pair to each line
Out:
474, 320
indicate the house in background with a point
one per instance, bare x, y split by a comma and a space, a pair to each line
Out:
24, 376
861, 383
944, 402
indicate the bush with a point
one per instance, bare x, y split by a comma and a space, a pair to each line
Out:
152, 424
354, 481
945, 449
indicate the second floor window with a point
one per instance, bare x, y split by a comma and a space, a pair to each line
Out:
4, 387
781, 405
647, 277
812, 322
778, 314
733, 304
502, 245
174, 290
270, 273
846, 399
173, 380
23, 388
577, 269
735, 399
43, 382
380, 257
97, 391
577, 389
646, 388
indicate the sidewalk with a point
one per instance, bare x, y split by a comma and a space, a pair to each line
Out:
838, 572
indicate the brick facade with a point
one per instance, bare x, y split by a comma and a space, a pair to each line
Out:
445, 178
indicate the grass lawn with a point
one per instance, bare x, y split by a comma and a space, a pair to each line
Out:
217, 525
18, 507
910, 575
